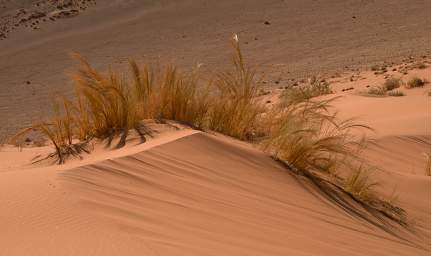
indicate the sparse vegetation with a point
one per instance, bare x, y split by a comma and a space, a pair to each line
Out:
392, 83
316, 87
313, 142
396, 93
415, 82
377, 91
387, 89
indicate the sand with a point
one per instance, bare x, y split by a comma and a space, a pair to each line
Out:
197, 195
186, 192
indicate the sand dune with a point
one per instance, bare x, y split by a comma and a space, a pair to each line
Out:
198, 195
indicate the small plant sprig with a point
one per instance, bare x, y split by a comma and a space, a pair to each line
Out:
428, 164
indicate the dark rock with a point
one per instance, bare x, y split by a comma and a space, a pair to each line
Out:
37, 15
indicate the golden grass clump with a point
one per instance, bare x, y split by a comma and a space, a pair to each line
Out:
182, 99
313, 142
107, 104
60, 130
309, 137
113, 105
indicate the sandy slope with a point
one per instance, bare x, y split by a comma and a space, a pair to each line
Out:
198, 195
303, 36
189, 193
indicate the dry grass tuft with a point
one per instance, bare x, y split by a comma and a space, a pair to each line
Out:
360, 186
392, 83
106, 103
312, 142
415, 82
315, 88
396, 93
235, 109
308, 136
182, 100
60, 131
170, 94
377, 91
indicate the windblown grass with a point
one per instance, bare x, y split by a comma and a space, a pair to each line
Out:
235, 109
181, 99
309, 137
313, 142
107, 104
360, 186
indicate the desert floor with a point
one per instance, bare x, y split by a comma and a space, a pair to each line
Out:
303, 37
186, 192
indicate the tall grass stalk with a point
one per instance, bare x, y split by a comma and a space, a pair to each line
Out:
235, 110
